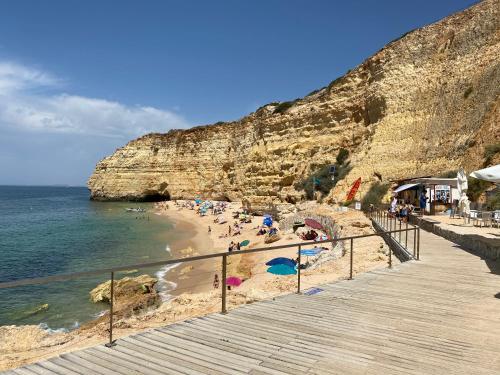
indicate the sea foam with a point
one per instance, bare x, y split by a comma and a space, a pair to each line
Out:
165, 286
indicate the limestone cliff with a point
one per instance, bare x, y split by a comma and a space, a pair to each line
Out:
426, 103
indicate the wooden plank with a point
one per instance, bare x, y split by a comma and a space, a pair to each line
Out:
52, 366
130, 362
90, 367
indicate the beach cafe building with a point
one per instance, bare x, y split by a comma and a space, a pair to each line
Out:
442, 193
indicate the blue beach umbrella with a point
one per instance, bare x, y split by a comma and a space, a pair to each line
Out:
282, 269
286, 261
268, 221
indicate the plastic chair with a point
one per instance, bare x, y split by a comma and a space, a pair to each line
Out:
483, 217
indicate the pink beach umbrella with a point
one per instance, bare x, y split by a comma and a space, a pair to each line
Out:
233, 281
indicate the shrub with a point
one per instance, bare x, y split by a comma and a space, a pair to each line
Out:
489, 153
284, 106
467, 92
342, 156
374, 196
322, 174
493, 201
476, 188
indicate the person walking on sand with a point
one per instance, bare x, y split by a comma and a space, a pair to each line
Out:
216, 281
229, 229
209, 229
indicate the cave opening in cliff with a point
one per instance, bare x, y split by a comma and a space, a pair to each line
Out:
156, 197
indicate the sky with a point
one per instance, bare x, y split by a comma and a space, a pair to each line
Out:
80, 78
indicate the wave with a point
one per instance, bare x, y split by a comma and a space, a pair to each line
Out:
165, 286
46, 328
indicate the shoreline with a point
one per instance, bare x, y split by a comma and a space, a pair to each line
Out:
193, 277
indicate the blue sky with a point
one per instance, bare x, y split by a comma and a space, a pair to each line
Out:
81, 78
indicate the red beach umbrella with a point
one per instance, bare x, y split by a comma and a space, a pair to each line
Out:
233, 281
313, 224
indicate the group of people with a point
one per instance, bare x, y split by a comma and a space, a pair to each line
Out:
310, 235
401, 211
266, 230
234, 246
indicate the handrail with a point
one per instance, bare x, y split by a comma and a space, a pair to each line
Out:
75, 275
383, 220
223, 255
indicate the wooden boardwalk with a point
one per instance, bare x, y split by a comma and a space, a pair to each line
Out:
440, 315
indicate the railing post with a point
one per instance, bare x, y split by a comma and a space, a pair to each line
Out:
406, 236
351, 259
224, 284
298, 271
418, 244
390, 257
111, 342
399, 230
414, 242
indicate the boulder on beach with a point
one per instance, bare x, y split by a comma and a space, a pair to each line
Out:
124, 288
132, 295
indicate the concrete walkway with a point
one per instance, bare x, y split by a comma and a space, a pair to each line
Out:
440, 315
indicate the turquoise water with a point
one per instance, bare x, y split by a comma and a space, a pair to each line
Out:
56, 230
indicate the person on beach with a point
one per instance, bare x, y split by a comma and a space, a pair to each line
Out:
216, 281
238, 247
229, 229
231, 246
209, 229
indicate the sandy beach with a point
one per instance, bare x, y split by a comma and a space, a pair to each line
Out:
197, 277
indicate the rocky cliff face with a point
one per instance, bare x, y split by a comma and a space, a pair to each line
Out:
425, 104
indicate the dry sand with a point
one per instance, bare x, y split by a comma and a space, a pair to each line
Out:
195, 295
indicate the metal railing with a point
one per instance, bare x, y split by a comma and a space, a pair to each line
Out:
224, 259
387, 221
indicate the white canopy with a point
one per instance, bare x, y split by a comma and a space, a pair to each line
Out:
437, 181
404, 187
491, 174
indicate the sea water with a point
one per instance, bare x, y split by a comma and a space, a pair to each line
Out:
58, 230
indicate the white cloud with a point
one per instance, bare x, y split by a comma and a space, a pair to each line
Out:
15, 77
24, 108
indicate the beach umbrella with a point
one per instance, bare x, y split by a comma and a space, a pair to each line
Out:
491, 174
286, 261
282, 269
244, 243
268, 221
313, 224
233, 281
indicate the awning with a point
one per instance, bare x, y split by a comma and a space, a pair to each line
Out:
491, 174
437, 181
404, 187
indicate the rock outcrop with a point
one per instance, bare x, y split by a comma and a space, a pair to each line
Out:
426, 103
131, 294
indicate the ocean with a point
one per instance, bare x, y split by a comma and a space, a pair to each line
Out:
57, 230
